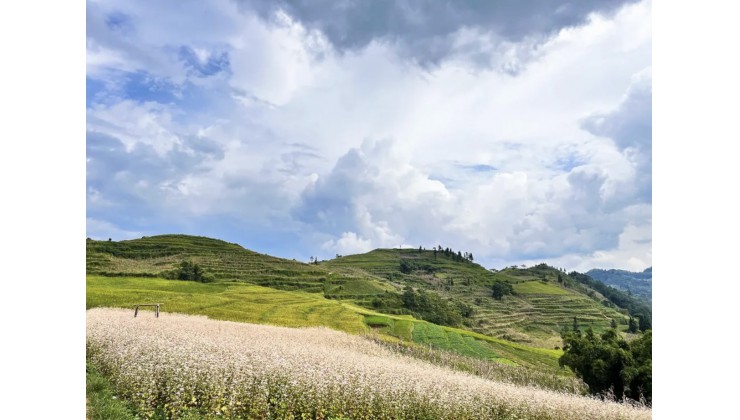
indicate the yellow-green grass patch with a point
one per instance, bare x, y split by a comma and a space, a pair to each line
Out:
538, 287
226, 301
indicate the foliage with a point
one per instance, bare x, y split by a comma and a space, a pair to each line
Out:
190, 271
609, 365
501, 289
407, 267
633, 326
431, 307
640, 284
636, 307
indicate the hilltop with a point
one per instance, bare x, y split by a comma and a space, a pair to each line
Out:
540, 302
153, 255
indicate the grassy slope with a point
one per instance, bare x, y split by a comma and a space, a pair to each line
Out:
231, 301
535, 315
149, 256
251, 303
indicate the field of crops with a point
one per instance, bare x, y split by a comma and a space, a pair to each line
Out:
243, 302
226, 301
185, 366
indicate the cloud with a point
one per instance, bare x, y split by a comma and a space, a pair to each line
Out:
431, 31
348, 243
629, 126
375, 197
100, 230
280, 133
372, 190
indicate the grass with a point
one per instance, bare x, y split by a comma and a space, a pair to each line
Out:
102, 403
227, 301
235, 301
534, 316
540, 288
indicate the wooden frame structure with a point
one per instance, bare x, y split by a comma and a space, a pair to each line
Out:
156, 308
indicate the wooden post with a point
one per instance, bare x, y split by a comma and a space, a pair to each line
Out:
155, 305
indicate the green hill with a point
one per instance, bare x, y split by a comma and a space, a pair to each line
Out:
534, 314
389, 285
151, 256
240, 301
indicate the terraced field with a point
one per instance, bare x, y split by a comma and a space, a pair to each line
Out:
541, 306
235, 301
384, 263
226, 301
534, 315
149, 256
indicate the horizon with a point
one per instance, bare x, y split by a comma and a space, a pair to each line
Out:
430, 249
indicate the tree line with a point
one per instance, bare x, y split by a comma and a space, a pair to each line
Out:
609, 365
449, 253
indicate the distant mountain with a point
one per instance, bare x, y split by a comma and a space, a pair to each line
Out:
640, 284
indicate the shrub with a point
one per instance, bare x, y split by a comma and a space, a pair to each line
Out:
501, 288
190, 271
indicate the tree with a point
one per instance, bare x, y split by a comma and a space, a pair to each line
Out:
406, 267
614, 323
576, 327
644, 321
188, 270
632, 325
500, 289
470, 257
607, 363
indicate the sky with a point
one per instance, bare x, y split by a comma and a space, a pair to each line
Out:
518, 131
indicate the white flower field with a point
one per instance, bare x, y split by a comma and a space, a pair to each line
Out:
179, 366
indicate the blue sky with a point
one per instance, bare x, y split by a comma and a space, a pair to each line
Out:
518, 131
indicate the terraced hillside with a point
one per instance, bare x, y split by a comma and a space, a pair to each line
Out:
237, 301
150, 256
544, 300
